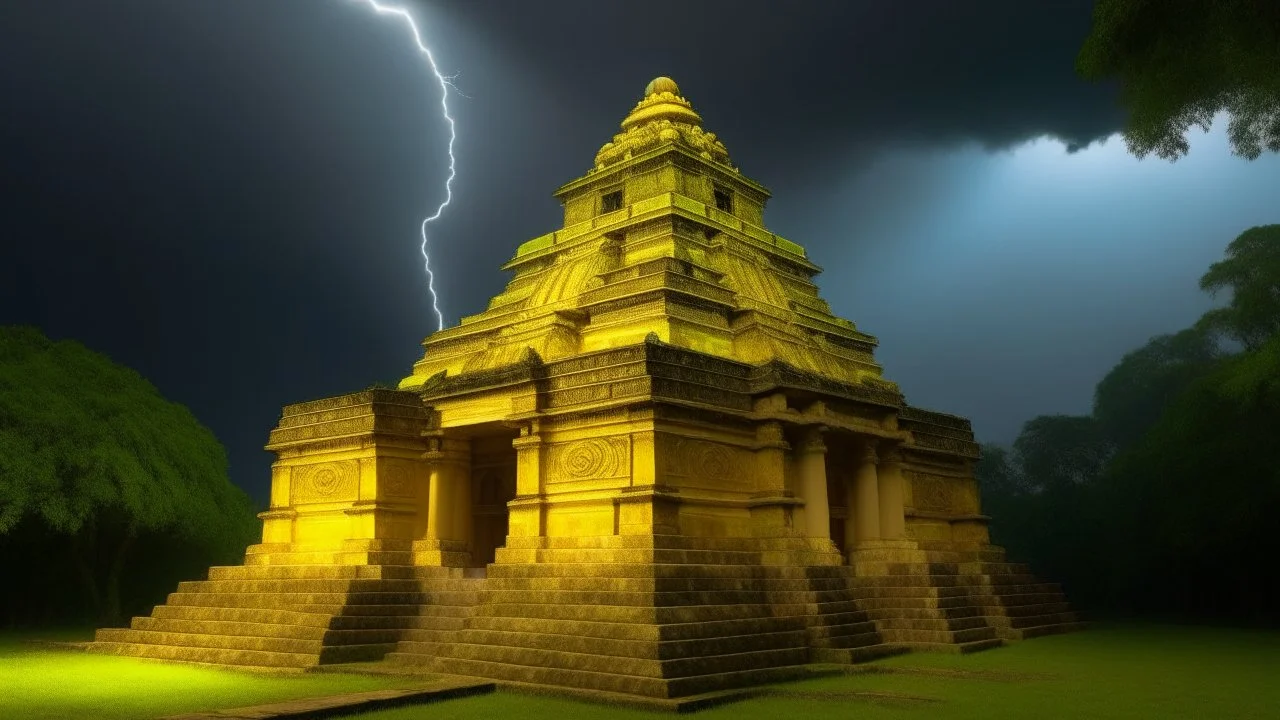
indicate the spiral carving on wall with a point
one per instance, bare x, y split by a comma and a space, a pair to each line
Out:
596, 458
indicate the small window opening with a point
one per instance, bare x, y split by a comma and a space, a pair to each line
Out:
611, 201
724, 200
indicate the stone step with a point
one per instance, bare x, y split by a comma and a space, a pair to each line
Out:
850, 656
425, 648
919, 602
996, 581
988, 553
616, 683
851, 640
324, 650
1029, 595
876, 581
927, 613
664, 570
652, 584
206, 640
251, 615
622, 599
630, 555
293, 601
1028, 610
206, 655
838, 618
414, 610
1035, 631
578, 679
901, 623
641, 667
954, 637
639, 631
913, 591
950, 647
407, 624
424, 635
994, 568
638, 649
823, 631
437, 595
231, 627
850, 605
316, 572
625, 614
1025, 621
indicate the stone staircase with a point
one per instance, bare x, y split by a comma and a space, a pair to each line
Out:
657, 616
1016, 603
291, 617
938, 600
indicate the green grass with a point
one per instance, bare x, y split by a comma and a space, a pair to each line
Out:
37, 682
1131, 671
1105, 673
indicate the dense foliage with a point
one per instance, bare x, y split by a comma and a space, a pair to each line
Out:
1180, 62
1164, 499
101, 477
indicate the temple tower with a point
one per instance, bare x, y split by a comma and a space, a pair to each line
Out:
656, 464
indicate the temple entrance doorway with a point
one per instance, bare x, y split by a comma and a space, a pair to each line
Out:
839, 481
493, 485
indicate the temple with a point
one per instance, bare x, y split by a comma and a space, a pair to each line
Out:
656, 465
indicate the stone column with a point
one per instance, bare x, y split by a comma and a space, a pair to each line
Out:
437, 494
866, 490
773, 505
525, 512
448, 489
892, 514
811, 466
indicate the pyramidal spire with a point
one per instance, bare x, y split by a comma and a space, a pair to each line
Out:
662, 116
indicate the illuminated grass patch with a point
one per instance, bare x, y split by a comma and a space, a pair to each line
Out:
38, 682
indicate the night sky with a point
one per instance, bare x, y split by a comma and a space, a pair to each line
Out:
225, 194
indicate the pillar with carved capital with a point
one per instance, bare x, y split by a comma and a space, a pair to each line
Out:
892, 514
866, 496
811, 466
525, 512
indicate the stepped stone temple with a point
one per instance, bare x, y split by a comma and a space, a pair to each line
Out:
656, 465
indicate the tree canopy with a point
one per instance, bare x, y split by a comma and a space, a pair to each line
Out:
91, 450
1251, 272
1161, 500
1180, 62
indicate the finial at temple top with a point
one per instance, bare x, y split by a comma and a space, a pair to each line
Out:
660, 85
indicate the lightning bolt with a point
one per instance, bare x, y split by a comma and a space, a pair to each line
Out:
445, 84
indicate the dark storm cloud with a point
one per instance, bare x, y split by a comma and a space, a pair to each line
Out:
226, 194
823, 75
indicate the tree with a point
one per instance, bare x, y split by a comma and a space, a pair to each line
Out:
1132, 396
1056, 451
1202, 490
996, 474
1251, 271
92, 451
1180, 62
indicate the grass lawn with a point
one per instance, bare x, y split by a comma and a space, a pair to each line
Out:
36, 682
1129, 671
